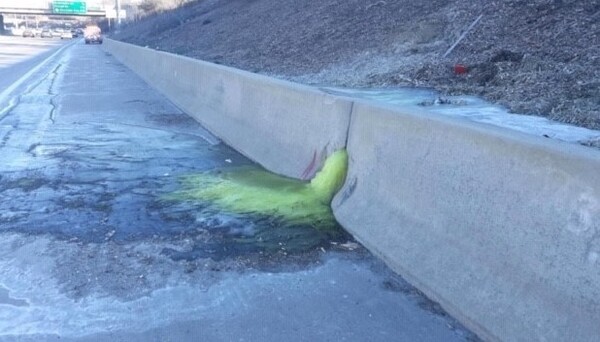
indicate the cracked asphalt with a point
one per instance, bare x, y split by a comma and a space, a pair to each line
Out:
90, 248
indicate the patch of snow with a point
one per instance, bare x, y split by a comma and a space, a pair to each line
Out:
471, 108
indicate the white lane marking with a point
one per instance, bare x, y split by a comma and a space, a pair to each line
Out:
6, 93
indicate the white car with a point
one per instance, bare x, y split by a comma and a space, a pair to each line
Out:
16, 31
66, 35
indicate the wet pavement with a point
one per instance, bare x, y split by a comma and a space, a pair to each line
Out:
96, 244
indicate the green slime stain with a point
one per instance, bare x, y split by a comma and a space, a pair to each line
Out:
250, 190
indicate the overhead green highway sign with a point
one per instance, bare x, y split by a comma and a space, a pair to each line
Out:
69, 7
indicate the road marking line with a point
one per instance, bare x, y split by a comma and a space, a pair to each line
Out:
6, 93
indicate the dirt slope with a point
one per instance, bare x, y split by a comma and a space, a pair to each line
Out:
534, 56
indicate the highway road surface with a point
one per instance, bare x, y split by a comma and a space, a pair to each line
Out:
98, 241
19, 55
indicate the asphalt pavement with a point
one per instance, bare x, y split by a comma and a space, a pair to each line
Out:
94, 247
19, 55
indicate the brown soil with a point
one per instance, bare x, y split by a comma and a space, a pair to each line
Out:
534, 56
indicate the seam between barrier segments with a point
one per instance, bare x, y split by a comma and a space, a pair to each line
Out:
351, 116
347, 188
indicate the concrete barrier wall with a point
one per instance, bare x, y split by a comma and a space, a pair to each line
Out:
501, 228
286, 127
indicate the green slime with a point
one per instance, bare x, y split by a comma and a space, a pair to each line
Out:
251, 190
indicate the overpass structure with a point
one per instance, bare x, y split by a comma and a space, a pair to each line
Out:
89, 8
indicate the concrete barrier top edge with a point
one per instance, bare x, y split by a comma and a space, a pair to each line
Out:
366, 107
244, 73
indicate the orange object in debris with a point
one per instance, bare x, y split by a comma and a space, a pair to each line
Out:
460, 69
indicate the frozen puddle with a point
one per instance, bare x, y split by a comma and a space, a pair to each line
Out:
474, 109
6, 299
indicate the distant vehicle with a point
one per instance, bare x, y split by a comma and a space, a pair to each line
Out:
46, 33
92, 34
15, 31
75, 33
28, 33
57, 33
94, 38
66, 35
